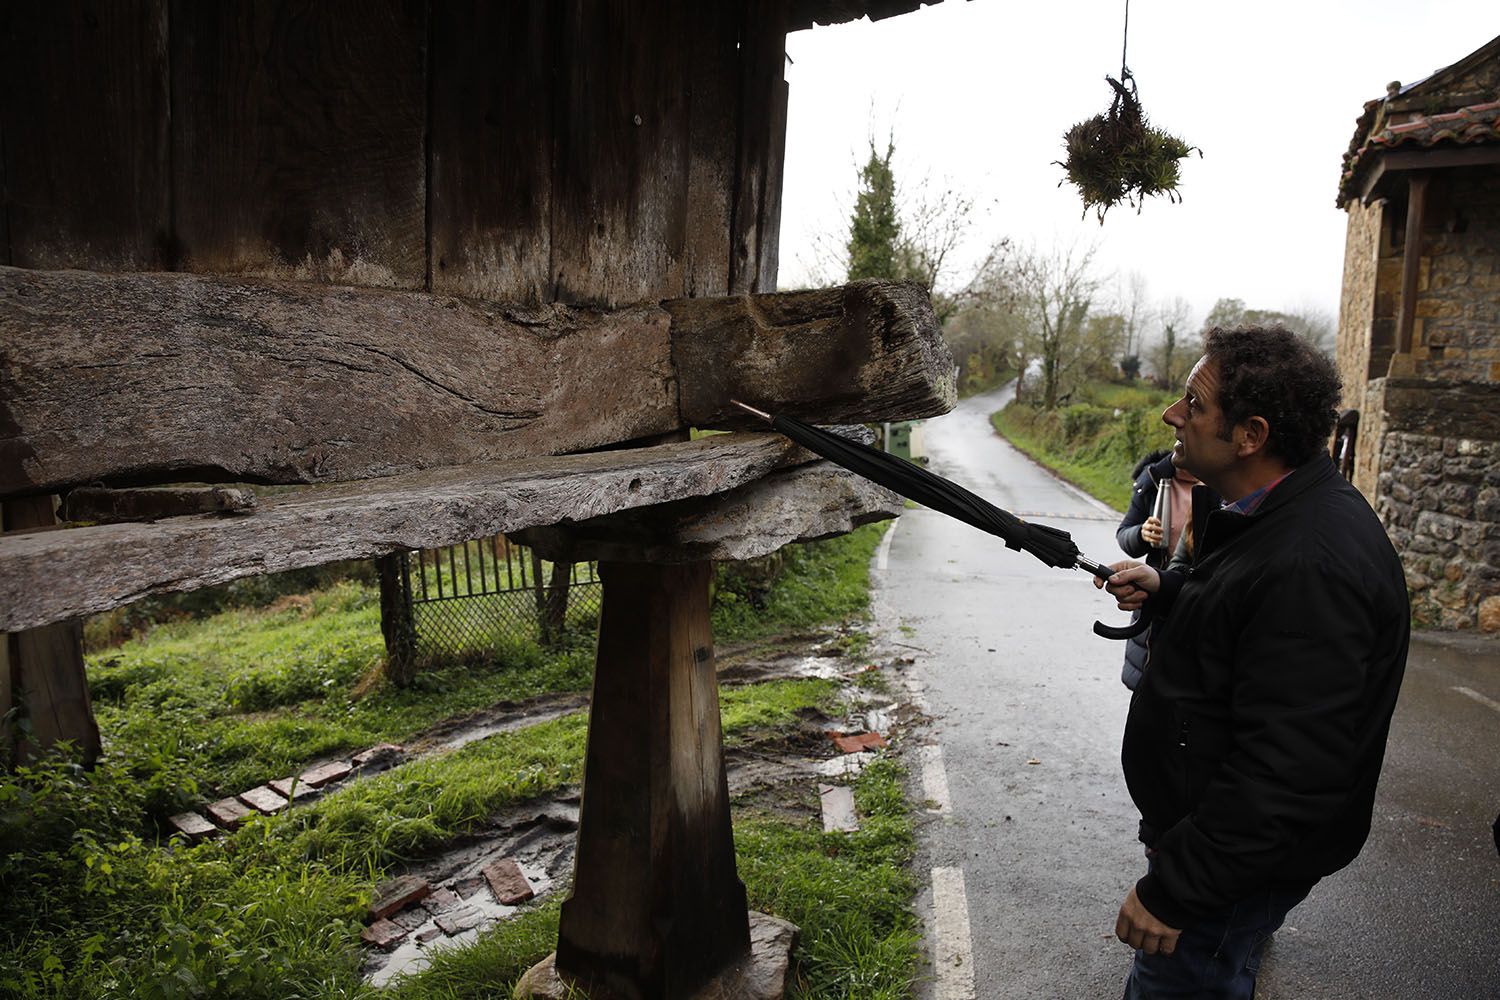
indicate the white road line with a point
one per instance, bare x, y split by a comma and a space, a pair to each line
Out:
1470, 692
883, 554
935, 780
953, 955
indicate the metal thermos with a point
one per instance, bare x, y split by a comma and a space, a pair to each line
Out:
1162, 511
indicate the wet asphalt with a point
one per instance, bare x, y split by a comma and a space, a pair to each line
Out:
1028, 708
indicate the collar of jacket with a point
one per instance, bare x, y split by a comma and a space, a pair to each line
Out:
1220, 525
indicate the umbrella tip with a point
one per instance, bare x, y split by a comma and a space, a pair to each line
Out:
752, 410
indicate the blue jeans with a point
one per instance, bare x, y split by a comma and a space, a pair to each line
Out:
1218, 956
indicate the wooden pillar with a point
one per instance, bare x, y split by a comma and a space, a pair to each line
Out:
396, 623
657, 907
1415, 211
43, 673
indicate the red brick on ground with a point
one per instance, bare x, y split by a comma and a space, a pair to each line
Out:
229, 813
264, 798
384, 934
508, 882
429, 934
398, 894
440, 900
458, 921
858, 742
192, 826
291, 788
317, 777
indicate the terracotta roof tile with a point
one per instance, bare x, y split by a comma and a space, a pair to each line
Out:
1474, 125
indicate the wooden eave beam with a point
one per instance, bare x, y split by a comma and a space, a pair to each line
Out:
1442, 158
48, 576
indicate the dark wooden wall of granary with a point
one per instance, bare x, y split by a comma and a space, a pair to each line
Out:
578, 151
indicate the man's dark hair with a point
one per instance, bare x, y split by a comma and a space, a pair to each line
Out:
1271, 372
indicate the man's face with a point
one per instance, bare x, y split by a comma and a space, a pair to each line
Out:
1201, 447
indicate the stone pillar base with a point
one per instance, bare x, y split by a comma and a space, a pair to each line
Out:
760, 975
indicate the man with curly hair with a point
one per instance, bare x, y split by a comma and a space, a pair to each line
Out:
1254, 742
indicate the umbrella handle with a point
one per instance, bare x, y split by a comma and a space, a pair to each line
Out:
1130, 631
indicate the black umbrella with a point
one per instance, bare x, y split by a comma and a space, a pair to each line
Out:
1052, 546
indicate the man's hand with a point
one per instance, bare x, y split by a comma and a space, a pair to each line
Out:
1151, 531
1132, 583
1138, 928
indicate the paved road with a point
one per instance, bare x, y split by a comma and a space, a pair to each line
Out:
1033, 845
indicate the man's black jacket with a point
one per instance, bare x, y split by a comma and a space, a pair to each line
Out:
1254, 743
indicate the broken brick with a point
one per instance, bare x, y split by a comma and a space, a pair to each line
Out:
264, 799
432, 932
230, 813
467, 887
411, 918
382, 755
458, 921
508, 882
857, 742
192, 826
440, 900
398, 894
384, 934
317, 777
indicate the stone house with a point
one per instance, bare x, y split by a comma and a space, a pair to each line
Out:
1419, 332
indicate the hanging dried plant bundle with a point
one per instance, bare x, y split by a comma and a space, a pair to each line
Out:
1120, 157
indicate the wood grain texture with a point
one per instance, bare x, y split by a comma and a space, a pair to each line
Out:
298, 139
792, 505
829, 355
135, 379
762, 53
83, 134
51, 575
619, 206
493, 96
713, 123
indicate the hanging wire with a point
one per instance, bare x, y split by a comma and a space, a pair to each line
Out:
1124, 42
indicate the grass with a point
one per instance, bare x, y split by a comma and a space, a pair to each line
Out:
100, 905
1095, 442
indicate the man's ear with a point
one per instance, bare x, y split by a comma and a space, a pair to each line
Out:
1250, 436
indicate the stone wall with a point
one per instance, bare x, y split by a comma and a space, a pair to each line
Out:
1357, 301
1438, 495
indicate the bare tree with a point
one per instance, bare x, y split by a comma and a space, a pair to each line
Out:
1133, 306
1057, 290
1174, 350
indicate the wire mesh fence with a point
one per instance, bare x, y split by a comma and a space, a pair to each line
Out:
485, 595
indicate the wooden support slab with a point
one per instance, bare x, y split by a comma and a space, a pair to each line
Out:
791, 505
92, 503
657, 907
137, 379
47, 576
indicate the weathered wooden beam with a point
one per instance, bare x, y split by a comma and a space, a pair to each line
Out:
135, 379
105, 506
791, 505
48, 576
157, 378
870, 350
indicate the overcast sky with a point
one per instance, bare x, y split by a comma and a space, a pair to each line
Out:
978, 95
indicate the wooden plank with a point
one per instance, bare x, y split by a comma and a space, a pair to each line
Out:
491, 181
713, 117
657, 907
619, 205
834, 355
206, 379
83, 134
93, 503
768, 240
298, 139
762, 53
47, 576
792, 505
212, 380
